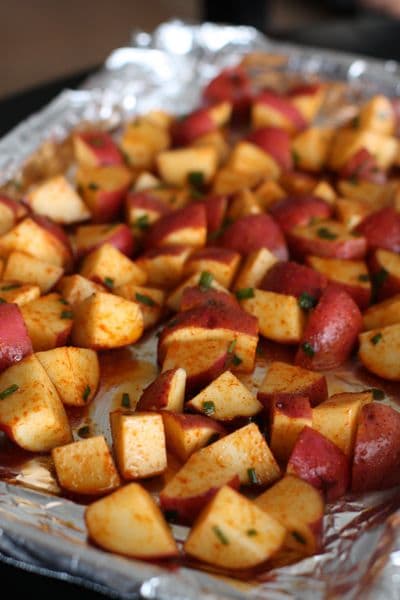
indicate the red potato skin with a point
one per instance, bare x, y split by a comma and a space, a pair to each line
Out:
184, 131
300, 247
293, 279
15, 342
318, 461
362, 165
283, 105
275, 141
297, 183
194, 297
390, 286
331, 331
376, 463
295, 407
187, 509
216, 207
55, 230
316, 393
15, 207
193, 215
300, 210
232, 85
381, 229
360, 295
146, 201
103, 146
223, 255
253, 232
120, 236
107, 205
304, 89
154, 397
190, 421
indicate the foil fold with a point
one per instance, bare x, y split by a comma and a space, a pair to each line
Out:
45, 533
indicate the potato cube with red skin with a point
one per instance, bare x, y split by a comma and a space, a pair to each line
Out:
287, 419
321, 463
139, 444
351, 275
385, 273
374, 195
337, 418
186, 129
233, 85
75, 288
348, 141
175, 197
185, 434
166, 392
331, 331
268, 192
222, 263
218, 141
210, 360
225, 399
49, 321
145, 182
214, 323
328, 239
31, 412
275, 141
198, 296
104, 321
175, 166
325, 191
164, 266
150, 300
300, 508
377, 114
36, 239
299, 210
311, 148
253, 232
110, 267
104, 190
243, 203
362, 166
24, 268
292, 279
86, 467
298, 183
230, 181
280, 317
216, 206
376, 462
221, 539
74, 372
141, 142
10, 212
15, 342
288, 382
174, 299
129, 522
307, 98
96, 149
351, 212
378, 351
142, 210
381, 229
250, 160
254, 269
18, 293
271, 109
382, 314
240, 457
186, 227
56, 198
90, 237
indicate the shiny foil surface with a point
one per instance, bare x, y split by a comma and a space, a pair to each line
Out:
43, 532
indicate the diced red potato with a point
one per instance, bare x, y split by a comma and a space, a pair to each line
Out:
95, 149
197, 296
186, 226
75, 288
174, 299
90, 237
185, 434
142, 210
232, 85
57, 199
166, 392
378, 114
216, 206
110, 267
248, 160
348, 142
293, 279
49, 321
385, 273
328, 239
307, 98
254, 269
18, 293
222, 263
382, 314
104, 189
10, 212
299, 211
23, 268
379, 351
298, 183
143, 139
362, 165
287, 419
274, 141
15, 342
381, 229
272, 109
252, 233
186, 129
175, 166
310, 148
351, 212
150, 301
164, 266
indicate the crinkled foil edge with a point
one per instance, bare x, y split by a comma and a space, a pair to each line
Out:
46, 534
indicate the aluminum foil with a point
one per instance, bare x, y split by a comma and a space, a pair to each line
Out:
43, 532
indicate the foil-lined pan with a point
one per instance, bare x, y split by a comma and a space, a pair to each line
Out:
45, 533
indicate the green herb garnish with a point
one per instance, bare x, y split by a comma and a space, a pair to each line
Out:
84, 431
307, 301
236, 360
67, 314
126, 401
251, 532
8, 391
86, 393
142, 222
143, 299
363, 277
231, 346
109, 282
326, 234
295, 158
196, 179
220, 535
308, 349
252, 475
11, 286
93, 186
208, 407
62, 301
245, 293
376, 339
377, 394
171, 515
356, 122
378, 279
205, 280
299, 538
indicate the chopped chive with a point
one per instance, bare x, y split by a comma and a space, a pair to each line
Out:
220, 535
142, 222
171, 515
251, 532
63, 301
252, 475
353, 179
259, 350
84, 431
126, 401
308, 349
214, 437
196, 179
231, 346
299, 538
144, 299
86, 393
206, 280
172, 323
208, 407
11, 286
326, 234
8, 391
307, 301
195, 194
377, 394
93, 186
378, 279
356, 122
109, 282
376, 339
245, 293
295, 158
236, 360
67, 314
363, 277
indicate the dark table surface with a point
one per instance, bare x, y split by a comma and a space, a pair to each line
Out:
370, 36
